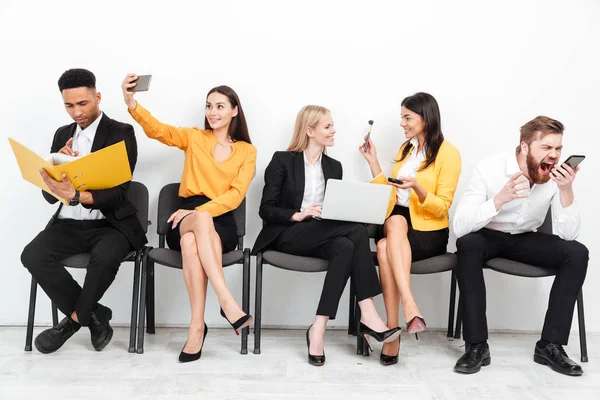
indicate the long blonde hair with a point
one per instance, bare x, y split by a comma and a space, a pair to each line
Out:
308, 117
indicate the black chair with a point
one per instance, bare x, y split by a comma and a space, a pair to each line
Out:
138, 196
515, 268
433, 265
168, 201
284, 261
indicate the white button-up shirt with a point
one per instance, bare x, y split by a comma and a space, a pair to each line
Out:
476, 208
314, 183
409, 169
82, 142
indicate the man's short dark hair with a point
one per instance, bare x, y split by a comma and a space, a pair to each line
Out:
76, 77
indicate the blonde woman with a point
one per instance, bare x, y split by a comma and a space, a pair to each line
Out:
291, 204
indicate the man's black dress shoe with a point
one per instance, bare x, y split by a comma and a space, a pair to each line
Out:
555, 357
52, 339
476, 355
100, 329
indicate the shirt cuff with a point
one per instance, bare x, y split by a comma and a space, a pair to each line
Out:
379, 179
568, 212
488, 210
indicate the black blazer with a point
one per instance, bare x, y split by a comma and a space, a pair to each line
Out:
283, 193
113, 202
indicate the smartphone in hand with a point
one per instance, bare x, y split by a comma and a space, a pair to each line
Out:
142, 84
396, 181
574, 160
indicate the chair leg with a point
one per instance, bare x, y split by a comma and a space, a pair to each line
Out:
150, 328
258, 303
246, 298
458, 318
581, 318
142, 304
31, 315
452, 304
135, 296
54, 314
351, 315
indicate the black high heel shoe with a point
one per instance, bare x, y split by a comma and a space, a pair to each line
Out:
240, 323
386, 336
187, 357
314, 360
416, 325
390, 360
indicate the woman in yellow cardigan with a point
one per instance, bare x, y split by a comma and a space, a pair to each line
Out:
427, 167
220, 162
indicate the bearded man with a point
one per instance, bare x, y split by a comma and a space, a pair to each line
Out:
507, 200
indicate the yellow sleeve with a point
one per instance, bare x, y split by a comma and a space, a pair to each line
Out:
381, 179
154, 129
233, 197
439, 203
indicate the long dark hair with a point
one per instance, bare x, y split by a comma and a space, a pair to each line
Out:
238, 129
427, 107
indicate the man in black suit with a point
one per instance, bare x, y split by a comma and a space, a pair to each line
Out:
100, 222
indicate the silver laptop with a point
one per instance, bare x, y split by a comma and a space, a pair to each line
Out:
356, 201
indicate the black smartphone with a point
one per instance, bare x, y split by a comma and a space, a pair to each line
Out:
574, 160
394, 180
142, 84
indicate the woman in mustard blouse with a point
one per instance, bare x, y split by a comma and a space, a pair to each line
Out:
428, 167
220, 162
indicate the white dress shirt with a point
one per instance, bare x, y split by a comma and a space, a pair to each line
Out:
82, 142
314, 183
476, 208
409, 169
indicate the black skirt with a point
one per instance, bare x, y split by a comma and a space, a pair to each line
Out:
224, 225
423, 244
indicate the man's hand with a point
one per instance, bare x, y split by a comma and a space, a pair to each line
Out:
564, 176
68, 149
314, 210
509, 191
63, 189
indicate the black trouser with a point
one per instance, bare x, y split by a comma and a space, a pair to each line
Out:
42, 257
346, 246
568, 258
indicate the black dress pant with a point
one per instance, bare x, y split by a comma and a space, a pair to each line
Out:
346, 246
568, 258
66, 237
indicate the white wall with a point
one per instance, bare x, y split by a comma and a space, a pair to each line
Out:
491, 66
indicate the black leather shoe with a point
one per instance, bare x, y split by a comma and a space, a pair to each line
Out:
240, 323
386, 336
389, 360
52, 339
100, 329
476, 355
314, 360
555, 357
187, 357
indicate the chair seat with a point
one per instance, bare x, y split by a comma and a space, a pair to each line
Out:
441, 263
82, 260
294, 263
518, 269
172, 258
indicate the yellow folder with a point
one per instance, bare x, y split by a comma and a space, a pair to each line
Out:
102, 169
